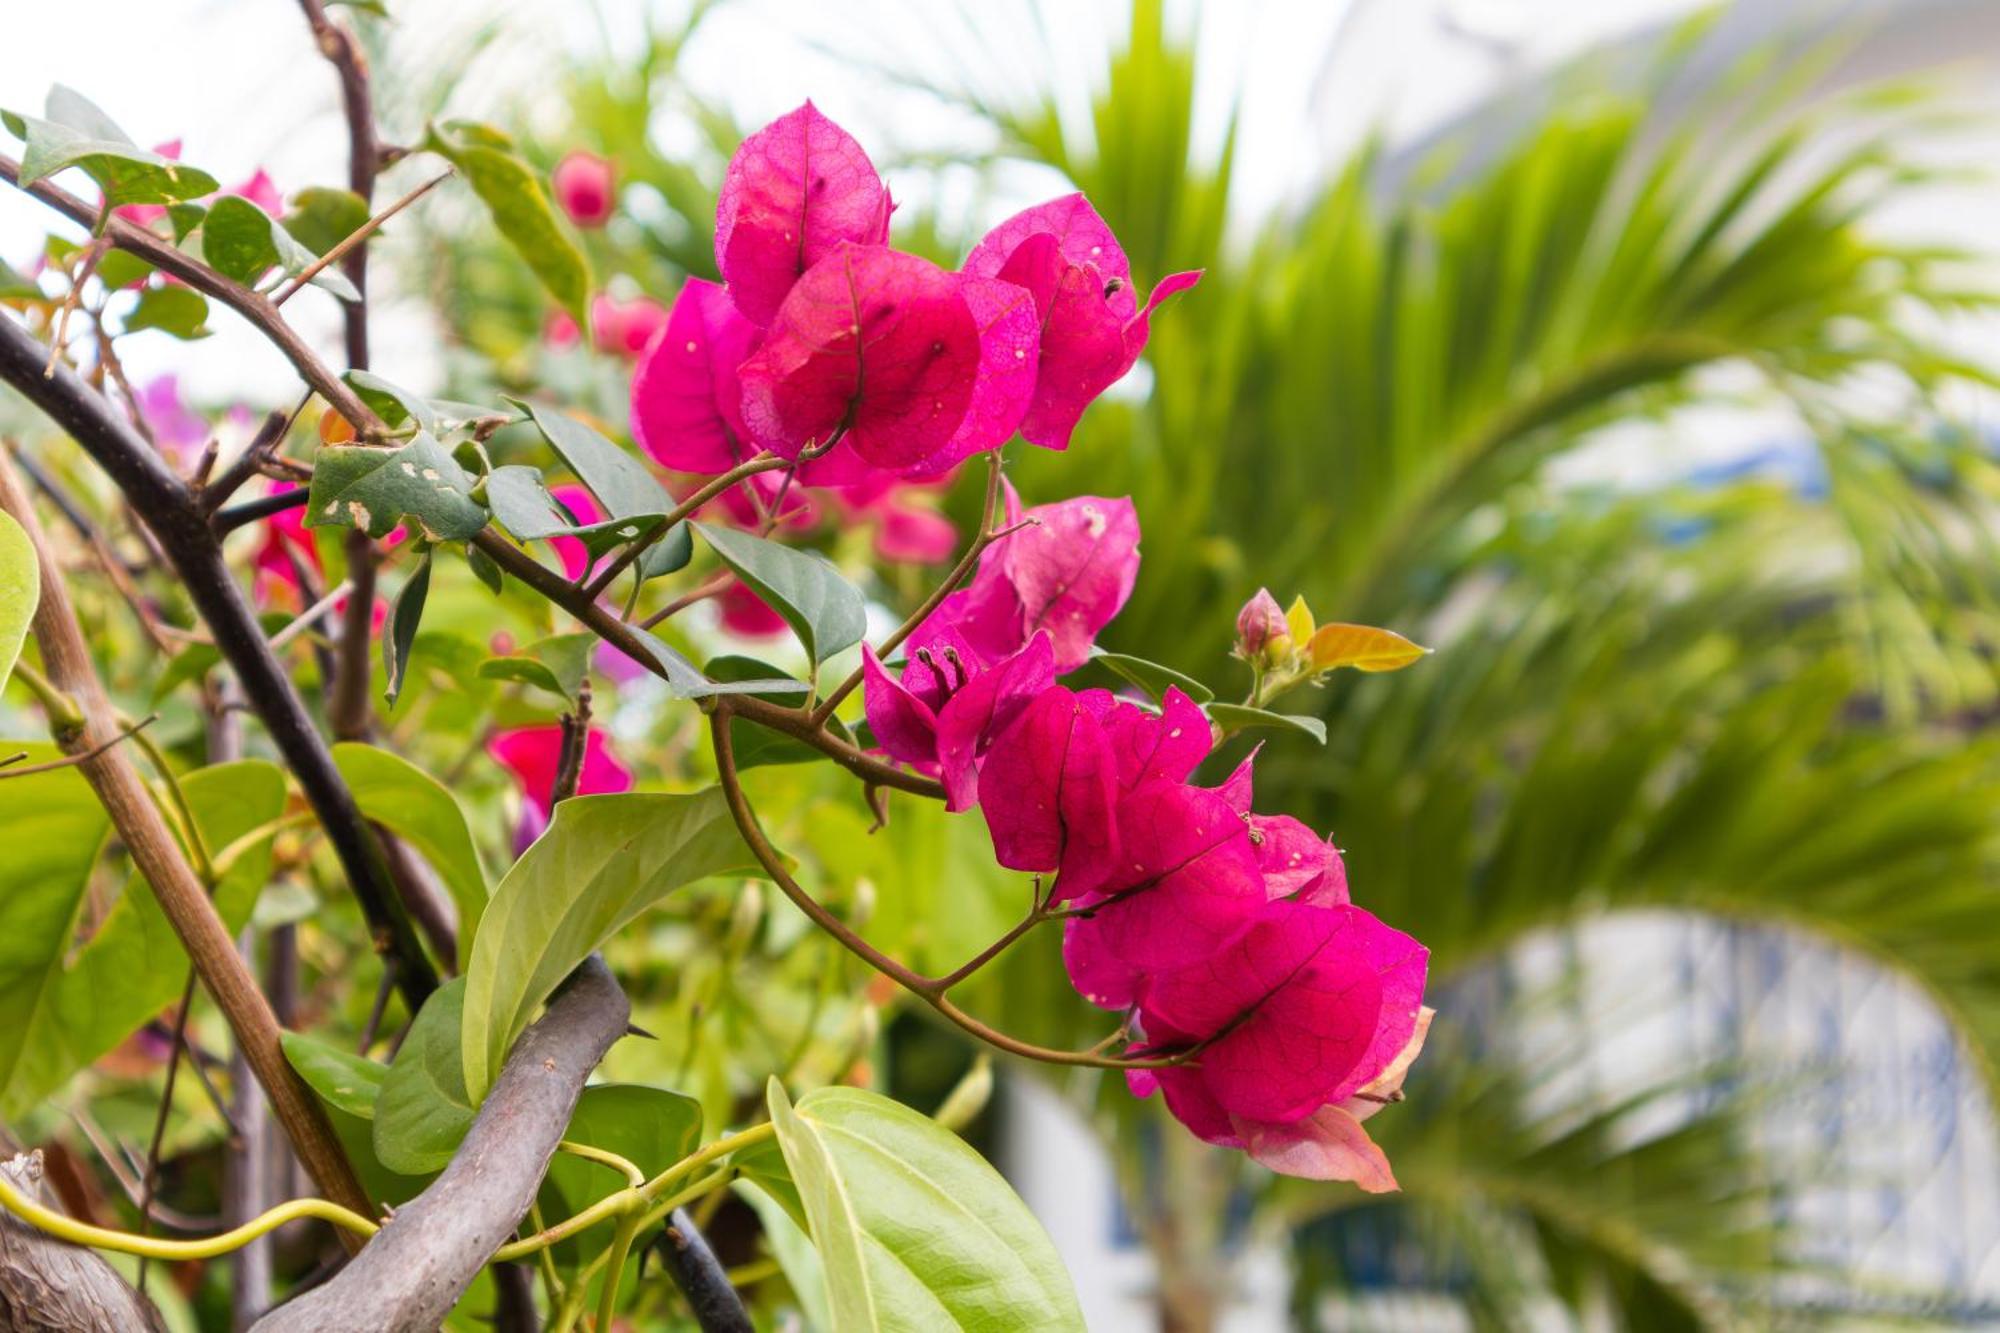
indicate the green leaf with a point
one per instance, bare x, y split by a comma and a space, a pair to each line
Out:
622, 484
244, 242
649, 1127
77, 134
404, 618
756, 746
793, 1249
522, 504
483, 569
1151, 677
184, 218
393, 403
914, 1229
669, 555
321, 217
603, 861
119, 269
190, 663
1233, 718
513, 195
557, 664
355, 486
422, 811
62, 1005
424, 1109
180, 311
20, 591
823, 608
343, 1080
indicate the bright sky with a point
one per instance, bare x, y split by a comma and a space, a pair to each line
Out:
239, 82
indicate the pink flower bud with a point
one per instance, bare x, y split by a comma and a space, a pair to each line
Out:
1259, 622
584, 187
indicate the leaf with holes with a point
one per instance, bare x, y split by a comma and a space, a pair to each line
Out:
355, 486
822, 607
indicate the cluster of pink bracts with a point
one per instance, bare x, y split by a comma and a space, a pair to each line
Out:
1218, 931
1213, 927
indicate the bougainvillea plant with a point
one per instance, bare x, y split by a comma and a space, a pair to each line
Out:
828, 384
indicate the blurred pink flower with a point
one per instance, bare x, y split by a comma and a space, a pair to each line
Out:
585, 188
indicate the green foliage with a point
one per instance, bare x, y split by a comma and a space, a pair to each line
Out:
376, 490
603, 861
322, 218
822, 607
406, 612
241, 241
914, 1229
1234, 718
520, 209
424, 1107
179, 311
75, 133
649, 1127
64, 1004
20, 592
558, 664
417, 808
343, 1080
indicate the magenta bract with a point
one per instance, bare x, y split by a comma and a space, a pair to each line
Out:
584, 189
1092, 327
687, 403
878, 342
794, 192
532, 755
1048, 790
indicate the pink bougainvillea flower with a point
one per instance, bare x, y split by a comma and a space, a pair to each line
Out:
911, 534
1184, 883
582, 506
1330, 1144
625, 327
1298, 863
285, 551
1166, 746
1259, 624
942, 715
1069, 572
532, 755
560, 332
1093, 328
794, 192
1048, 788
746, 614
686, 399
886, 347
261, 191
1312, 1011
176, 429
584, 188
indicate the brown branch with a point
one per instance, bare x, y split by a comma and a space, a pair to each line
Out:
52, 1286
163, 255
414, 1270
163, 865
607, 626
173, 513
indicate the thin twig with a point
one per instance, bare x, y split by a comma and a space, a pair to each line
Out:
358, 235
72, 761
149, 1178
684, 510
928, 989
271, 433
305, 619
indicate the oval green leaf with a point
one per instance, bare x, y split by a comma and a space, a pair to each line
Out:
420, 810
604, 860
424, 1109
822, 607
20, 591
915, 1230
